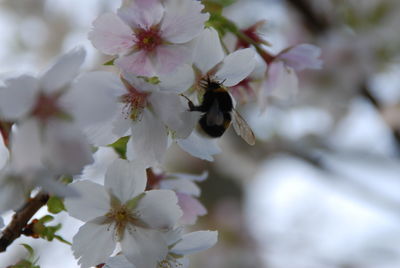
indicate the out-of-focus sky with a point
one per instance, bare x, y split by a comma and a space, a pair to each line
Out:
321, 188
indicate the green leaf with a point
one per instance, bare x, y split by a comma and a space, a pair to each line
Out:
29, 249
59, 238
46, 218
120, 146
55, 205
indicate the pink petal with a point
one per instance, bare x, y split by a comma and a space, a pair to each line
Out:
303, 56
191, 208
281, 83
137, 63
169, 57
183, 20
141, 14
111, 35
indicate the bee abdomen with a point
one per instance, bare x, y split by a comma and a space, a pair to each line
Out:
215, 131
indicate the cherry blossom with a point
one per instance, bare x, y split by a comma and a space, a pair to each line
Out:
179, 245
186, 190
149, 36
121, 211
184, 185
149, 111
49, 112
282, 81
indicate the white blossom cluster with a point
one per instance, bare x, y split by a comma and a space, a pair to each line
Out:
51, 122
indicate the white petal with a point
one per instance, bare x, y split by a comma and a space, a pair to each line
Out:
111, 35
4, 153
119, 261
12, 192
26, 146
179, 81
281, 83
90, 99
180, 185
173, 235
107, 132
93, 201
66, 149
170, 109
148, 143
144, 247
208, 51
183, 20
141, 13
65, 69
201, 177
103, 157
18, 97
200, 147
125, 179
137, 63
159, 209
93, 243
195, 242
191, 207
303, 56
170, 57
46, 181
236, 67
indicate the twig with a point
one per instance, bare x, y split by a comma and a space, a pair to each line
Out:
21, 219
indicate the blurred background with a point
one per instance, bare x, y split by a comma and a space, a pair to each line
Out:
321, 187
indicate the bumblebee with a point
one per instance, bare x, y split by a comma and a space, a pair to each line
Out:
219, 113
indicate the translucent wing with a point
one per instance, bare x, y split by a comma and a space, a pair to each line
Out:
242, 128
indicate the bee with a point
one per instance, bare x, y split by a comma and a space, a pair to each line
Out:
219, 113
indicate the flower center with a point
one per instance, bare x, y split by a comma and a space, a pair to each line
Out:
148, 39
135, 101
46, 107
171, 261
120, 216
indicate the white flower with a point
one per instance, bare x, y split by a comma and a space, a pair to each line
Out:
49, 112
184, 185
282, 81
149, 111
179, 245
120, 211
149, 36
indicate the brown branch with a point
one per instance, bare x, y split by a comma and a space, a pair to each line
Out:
21, 219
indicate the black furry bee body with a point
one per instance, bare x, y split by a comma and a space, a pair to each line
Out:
218, 112
217, 106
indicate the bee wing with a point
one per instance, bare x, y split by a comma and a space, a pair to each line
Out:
242, 128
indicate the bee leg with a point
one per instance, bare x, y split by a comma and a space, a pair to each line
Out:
192, 107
